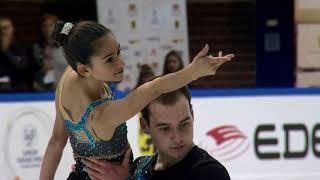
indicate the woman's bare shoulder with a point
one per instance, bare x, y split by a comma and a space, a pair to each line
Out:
71, 88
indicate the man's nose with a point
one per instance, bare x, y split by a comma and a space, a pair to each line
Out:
177, 136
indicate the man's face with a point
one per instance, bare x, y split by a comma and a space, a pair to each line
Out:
171, 128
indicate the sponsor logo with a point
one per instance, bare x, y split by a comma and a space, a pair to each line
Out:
26, 137
30, 135
308, 138
225, 142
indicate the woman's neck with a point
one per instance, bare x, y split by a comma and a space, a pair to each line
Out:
93, 88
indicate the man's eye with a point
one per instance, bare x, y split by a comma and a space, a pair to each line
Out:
164, 129
185, 125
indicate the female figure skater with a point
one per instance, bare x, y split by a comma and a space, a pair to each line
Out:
85, 109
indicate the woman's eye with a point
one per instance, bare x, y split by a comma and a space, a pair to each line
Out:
109, 60
119, 51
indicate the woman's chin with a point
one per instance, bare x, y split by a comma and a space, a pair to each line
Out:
119, 79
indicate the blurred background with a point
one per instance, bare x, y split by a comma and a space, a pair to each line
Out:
269, 42
229, 26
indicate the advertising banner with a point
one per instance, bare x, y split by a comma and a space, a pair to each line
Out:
146, 30
254, 136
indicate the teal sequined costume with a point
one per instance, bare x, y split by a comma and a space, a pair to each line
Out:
85, 145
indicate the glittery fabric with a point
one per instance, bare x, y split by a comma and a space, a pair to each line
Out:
84, 144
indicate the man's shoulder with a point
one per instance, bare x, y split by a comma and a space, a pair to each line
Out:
138, 160
142, 167
207, 167
202, 155
142, 161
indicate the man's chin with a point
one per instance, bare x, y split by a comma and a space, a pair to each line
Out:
178, 155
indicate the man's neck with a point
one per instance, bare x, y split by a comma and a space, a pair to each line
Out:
164, 162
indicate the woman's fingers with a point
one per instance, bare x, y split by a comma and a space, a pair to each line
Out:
97, 163
203, 52
220, 59
125, 162
92, 173
229, 56
214, 60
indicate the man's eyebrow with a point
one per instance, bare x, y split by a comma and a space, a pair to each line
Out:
162, 124
185, 119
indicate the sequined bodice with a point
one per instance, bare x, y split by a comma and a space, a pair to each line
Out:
84, 144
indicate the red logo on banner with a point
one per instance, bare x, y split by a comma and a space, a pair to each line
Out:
229, 144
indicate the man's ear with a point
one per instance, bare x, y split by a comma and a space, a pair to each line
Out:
144, 125
83, 70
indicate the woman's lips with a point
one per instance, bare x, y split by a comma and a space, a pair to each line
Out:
120, 72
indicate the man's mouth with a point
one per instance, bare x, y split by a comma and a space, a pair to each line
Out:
178, 147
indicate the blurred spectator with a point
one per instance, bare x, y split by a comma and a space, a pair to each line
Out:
14, 64
172, 62
144, 140
48, 57
146, 73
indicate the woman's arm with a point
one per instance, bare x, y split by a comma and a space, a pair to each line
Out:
117, 112
55, 147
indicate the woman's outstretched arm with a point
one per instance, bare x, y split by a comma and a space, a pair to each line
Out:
117, 112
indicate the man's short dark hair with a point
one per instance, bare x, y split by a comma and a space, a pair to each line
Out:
168, 99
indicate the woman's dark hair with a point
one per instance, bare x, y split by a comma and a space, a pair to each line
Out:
79, 45
146, 73
165, 65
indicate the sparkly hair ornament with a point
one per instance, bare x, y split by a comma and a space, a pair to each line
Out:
66, 28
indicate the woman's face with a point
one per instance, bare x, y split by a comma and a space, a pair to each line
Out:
173, 63
47, 27
6, 29
107, 63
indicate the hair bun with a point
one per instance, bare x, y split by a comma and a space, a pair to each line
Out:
57, 36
